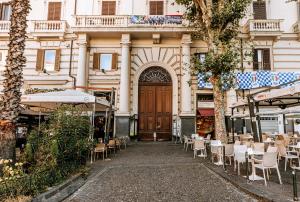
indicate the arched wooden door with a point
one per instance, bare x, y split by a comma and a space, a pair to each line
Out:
155, 104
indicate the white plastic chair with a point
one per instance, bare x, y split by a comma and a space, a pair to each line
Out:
200, 146
229, 151
215, 149
239, 156
187, 142
269, 161
287, 155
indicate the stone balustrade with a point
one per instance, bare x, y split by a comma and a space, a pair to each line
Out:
4, 26
48, 26
264, 25
129, 21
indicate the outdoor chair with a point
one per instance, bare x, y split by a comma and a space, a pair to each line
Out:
260, 147
199, 145
187, 142
269, 161
264, 137
111, 146
100, 148
239, 156
118, 143
215, 149
287, 155
229, 152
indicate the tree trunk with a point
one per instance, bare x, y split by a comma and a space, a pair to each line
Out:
7, 141
220, 127
13, 78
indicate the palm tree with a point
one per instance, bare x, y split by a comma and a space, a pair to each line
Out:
13, 78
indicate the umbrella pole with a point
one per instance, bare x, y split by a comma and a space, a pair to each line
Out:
39, 122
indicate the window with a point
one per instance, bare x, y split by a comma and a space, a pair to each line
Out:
108, 7
259, 10
156, 8
48, 60
5, 10
105, 61
54, 11
261, 59
201, 57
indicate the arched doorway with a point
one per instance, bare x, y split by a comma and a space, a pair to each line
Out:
155, 104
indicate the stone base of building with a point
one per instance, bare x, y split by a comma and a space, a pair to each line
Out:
122, 126
188, 125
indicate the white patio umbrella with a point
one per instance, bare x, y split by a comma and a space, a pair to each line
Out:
52, 100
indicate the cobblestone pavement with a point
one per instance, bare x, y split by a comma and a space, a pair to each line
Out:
155, 172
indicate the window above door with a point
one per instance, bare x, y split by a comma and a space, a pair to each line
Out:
108, 8
54, 11
156, 8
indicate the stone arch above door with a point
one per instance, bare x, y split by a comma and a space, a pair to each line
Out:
155, 74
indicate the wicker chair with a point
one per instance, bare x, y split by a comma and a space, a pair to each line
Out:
100, 148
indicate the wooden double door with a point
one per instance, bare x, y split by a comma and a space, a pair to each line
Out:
155, 112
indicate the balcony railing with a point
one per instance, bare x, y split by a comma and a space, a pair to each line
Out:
129, 21
48, 26
264, 26
4, 26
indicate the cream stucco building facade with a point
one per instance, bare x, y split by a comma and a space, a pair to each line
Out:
96, 45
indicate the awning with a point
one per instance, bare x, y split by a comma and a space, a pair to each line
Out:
53, 100
206, 112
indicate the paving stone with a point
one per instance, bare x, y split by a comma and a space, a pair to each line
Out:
155, 172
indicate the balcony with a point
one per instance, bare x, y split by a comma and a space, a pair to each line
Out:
4, 28
129, 23
296, 28
264, 28
37, 29
49, 29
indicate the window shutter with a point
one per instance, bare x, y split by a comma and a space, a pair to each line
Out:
54, 10
57, 60
1, 11
156, 8
40, 60
108, 7
159, 8
259, 9
96, 61
255, 60
114, 63
152, 8
266, 59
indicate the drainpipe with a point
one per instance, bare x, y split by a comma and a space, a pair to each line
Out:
70, 65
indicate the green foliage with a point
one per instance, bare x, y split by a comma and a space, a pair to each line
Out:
52, 153
218, 25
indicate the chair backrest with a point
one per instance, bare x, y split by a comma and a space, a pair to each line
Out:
208, 137
247, 143
239, 152
270, 159
111, 142
100, 146
272, 149
199, 144
259, 147
229, 149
